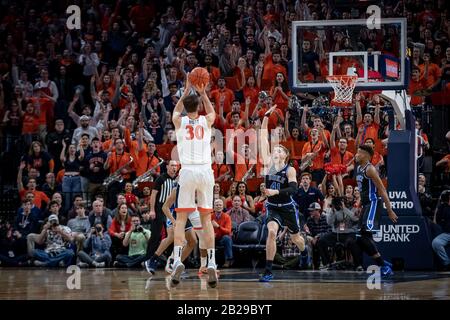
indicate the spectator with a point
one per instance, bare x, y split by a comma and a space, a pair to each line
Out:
137, 239
221, 222
120, 225
96, 248
316, 227
289, 258
313, 155
131, 200
95, 162
307, 194
50, 186
39, 196
80, 227
53, 209
121, 199
26, 222
247, 200
100, 215
72, 162
12, 252
40, 160
77, 201
237, 213
442, 218
55, 238
84, 128
342, 221
119, 161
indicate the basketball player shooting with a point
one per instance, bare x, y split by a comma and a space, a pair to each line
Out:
281, 183
196, 176
369, 184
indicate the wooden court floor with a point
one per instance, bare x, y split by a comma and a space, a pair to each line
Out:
114, 284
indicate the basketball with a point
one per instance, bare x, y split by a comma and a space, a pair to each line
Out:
199, 76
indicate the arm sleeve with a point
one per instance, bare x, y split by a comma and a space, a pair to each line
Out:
289, 191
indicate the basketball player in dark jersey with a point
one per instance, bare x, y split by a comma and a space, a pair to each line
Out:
371, 187
281, 184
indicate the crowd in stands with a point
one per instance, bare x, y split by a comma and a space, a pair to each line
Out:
86, 112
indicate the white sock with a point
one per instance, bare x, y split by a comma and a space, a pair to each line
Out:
203, 261
177, 250
212, 256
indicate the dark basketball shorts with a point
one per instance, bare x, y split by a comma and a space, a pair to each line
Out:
284, 216
371, 216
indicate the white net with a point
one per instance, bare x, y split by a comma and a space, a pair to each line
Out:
343, 87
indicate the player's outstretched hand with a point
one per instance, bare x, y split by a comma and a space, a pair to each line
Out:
392, 216
271, 192
187, 87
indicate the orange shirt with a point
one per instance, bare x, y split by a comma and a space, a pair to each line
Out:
106, 145
214, 75
376, 158
351, 145
371, 131
279, 100
295, 148
434, 73
270, 71
242, 166
30, 123
39, 196
224, 223
219, 169
228, 96
144, 163
45, 106
275, 117
253, 94
318, 147
415, 86
447, 166
116, 161
338, 158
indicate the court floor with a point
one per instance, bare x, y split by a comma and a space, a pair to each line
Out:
237, 284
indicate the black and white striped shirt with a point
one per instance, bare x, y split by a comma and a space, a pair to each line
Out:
164, 185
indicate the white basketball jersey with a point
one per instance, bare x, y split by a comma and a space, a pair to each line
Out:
193, 141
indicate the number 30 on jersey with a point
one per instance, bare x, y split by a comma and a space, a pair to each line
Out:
196, 132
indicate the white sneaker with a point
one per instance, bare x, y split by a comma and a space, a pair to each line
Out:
83, 264
38, 263
178, 269
98, 264
169, 265
212, 275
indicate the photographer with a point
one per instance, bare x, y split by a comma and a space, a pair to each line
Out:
343, 230
96, 248
442, 218
55, 237
137, 240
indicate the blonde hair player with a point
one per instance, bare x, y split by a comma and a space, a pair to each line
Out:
196, 176
281, 185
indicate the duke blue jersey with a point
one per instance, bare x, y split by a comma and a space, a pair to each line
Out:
278, 180
367, 188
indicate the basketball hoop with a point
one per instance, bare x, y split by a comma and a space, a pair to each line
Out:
343, 87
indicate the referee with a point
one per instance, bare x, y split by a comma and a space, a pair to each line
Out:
161, 191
